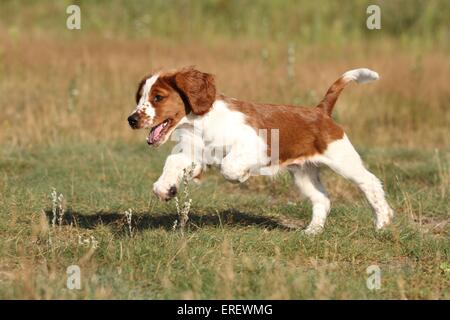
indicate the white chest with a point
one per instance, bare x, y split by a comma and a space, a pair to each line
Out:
223, 133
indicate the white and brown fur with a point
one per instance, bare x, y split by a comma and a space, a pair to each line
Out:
206, 121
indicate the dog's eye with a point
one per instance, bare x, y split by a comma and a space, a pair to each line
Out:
158, 98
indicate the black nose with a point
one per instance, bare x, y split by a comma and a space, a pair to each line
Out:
172, 191
133, 120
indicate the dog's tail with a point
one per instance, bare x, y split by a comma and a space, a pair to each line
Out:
359, 75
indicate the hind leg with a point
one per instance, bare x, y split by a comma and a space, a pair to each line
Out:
342, 158
307, 180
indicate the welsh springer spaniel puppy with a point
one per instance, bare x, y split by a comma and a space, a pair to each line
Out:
245, 138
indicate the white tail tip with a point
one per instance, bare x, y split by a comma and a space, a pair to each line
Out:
361, 75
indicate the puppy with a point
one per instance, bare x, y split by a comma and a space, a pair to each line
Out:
245, 138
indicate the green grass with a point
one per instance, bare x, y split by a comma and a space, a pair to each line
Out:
235, 246
417, 22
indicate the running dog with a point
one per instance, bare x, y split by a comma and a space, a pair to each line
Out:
213, 129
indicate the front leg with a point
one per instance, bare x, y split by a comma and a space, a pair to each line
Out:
166, 187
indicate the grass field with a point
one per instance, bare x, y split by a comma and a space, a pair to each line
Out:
64, 99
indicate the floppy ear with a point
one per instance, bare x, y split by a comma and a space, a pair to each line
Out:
198, 89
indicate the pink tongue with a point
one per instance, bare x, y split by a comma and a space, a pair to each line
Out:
154, 135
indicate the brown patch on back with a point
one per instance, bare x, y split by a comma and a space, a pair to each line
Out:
303, 131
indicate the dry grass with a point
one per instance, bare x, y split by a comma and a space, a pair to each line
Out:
83, 88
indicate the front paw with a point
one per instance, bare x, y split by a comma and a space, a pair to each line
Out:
164, 192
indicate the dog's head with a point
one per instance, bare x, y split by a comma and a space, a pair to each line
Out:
164, 99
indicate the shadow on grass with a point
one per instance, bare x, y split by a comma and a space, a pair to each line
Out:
144, 221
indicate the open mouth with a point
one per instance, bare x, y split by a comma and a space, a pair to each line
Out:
157, 132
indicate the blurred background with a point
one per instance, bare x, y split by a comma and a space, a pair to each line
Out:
65, 85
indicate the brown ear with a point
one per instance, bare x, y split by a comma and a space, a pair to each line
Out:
198, 89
